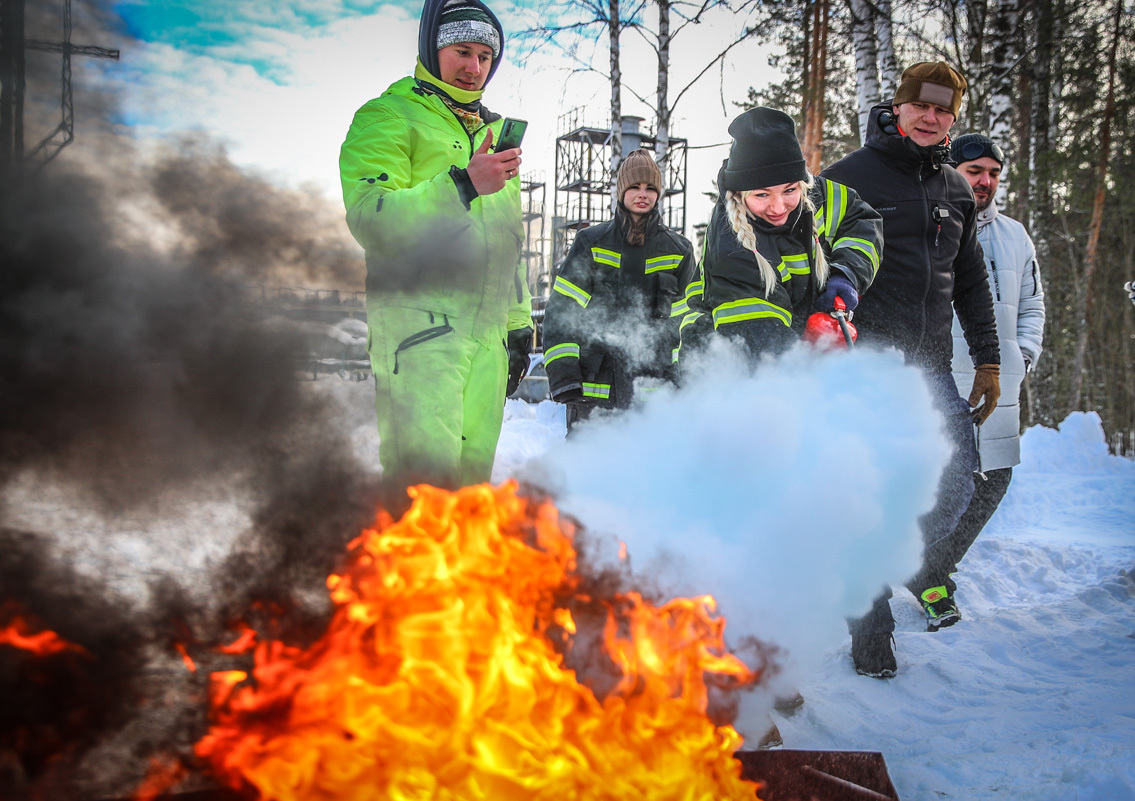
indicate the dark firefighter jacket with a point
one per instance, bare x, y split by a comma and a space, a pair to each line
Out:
608, 319
932, 255
731, 294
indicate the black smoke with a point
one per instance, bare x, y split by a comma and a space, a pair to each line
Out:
134, 372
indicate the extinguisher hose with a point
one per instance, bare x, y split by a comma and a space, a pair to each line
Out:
839, 315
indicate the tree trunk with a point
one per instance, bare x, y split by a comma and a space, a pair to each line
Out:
888, 65
817, 55
976, 109
867, 86
662, 133
1040, 194
1005, 54
613, 27
1085, 294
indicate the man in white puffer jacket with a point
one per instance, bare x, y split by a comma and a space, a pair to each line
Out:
1018, 301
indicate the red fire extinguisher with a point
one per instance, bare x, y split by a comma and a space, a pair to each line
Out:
830, 330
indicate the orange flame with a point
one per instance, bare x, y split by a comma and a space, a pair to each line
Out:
161, 776
245, 642
20, 632
190, 665
438, 677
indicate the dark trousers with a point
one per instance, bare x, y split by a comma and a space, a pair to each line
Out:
955, 488
576, 413
941, 559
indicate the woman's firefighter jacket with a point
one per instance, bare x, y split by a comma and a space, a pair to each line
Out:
932, 257
730, 292
608, 319
427, 245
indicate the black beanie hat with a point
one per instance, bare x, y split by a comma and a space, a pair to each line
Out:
765, 151
970, 147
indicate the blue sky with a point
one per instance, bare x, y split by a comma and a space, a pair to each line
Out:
278, 83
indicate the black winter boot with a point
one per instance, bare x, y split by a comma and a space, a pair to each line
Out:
873, 656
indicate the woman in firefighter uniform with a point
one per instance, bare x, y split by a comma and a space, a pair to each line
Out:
780, 243
608, 331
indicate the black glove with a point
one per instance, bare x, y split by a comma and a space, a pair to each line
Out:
519, 346
837, 286
573, 395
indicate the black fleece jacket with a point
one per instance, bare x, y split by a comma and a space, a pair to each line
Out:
931, 256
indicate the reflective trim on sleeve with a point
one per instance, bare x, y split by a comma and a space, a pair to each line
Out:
835, 208
561, 350
689, 319
864, 246
694, 290
736, 311
602, 391
568, 289
610, 257
657, 263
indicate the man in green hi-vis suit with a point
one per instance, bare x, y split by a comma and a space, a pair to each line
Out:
438, 214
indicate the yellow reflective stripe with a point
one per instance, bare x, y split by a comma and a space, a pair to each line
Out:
736, 311
866, 247
676, 353
694, 290
688, 319
663, 263
606, 257
837, 206
568, 289
561, 350
796, 264
597, 390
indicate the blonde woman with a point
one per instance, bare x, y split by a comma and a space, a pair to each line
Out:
780, 243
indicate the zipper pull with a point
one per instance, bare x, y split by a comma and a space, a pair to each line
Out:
939, 214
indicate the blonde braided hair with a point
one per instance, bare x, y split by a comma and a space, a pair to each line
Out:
738, 215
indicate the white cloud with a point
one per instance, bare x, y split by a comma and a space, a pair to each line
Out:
289, 120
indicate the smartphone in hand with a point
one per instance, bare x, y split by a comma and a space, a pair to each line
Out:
512, 133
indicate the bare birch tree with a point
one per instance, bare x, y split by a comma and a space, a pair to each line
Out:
867, 82
885, 47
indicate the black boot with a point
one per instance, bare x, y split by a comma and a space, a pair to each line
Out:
873, 656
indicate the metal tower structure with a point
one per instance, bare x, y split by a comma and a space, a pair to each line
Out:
533, 200
12, 86
584, 180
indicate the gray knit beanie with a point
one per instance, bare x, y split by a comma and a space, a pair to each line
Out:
461, 22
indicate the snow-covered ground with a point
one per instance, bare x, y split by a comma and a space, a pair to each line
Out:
1031, 696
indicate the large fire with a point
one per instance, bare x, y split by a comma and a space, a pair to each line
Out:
444, 675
